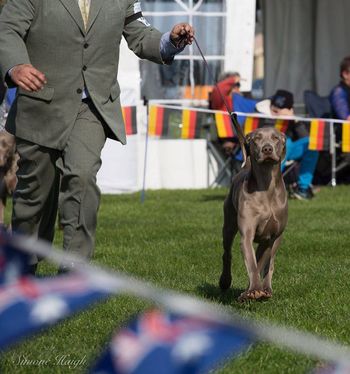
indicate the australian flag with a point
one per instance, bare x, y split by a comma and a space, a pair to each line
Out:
333, 369
162, 343
29, 304
13, 263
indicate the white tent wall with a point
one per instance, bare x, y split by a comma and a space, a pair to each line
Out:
172, 163
239, 41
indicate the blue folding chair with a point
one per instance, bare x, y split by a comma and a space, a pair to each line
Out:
244, 105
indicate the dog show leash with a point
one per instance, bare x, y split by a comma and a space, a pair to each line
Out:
233, 116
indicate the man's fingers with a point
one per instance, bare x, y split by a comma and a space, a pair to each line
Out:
182, 34
24, 86
29, 83
39, 76
27, 77
189, 30
37, 81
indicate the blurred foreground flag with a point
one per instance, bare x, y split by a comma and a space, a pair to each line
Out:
28, 304
162, 343
333, 369
13, 263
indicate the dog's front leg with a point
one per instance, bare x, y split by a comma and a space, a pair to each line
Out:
254, 290
263, 259
268, 269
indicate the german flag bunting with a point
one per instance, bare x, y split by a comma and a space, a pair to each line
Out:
224, 125
345, 144
191, 124
129, 115
319, 135
251, 124
282, 125
158, 121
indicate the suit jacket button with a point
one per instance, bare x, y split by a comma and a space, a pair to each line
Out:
86, 45
79, 91
84, 67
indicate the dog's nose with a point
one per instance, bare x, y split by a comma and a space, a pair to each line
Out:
267, 149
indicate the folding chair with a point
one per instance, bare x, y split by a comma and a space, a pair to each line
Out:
317, 106
320, 107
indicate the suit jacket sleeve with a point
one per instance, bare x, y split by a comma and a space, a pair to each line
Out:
142, 38
15, 21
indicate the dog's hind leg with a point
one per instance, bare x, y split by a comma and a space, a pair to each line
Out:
229, 231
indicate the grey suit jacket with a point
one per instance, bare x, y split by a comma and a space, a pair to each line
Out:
50, 35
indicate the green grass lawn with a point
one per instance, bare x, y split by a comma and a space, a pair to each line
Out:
174, 241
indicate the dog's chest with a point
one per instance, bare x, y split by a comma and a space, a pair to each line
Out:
270, 225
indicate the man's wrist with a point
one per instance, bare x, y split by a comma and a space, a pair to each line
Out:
167, 48
9, 73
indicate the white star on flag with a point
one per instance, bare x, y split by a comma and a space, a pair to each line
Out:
49, 309
191, 347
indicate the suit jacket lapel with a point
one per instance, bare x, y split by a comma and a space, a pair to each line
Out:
95, 7
72, 7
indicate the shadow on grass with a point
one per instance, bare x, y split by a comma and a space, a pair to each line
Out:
218, 197
213, 292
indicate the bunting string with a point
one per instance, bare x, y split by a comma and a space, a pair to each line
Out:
117, 283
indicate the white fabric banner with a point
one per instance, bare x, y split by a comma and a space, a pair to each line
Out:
171, 164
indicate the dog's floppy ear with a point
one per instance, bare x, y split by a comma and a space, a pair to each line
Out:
283, 141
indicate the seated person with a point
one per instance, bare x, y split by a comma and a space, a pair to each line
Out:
340, 95
297, 146
227, 84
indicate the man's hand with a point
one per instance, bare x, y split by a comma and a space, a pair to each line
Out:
27, 77
181, 35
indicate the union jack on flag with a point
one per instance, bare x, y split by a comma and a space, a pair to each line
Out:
28, 304
161, 343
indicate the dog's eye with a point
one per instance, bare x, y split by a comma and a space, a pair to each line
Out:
275, 139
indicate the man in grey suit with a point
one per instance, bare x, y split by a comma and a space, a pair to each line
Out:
63, 57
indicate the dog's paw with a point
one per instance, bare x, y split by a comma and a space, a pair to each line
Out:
251, 295
267, 292
225, 282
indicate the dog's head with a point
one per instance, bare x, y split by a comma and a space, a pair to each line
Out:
267, 145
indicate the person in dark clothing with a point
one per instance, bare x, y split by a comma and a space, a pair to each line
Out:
340, 94
297, 146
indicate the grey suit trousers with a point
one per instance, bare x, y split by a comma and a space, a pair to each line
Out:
50, 179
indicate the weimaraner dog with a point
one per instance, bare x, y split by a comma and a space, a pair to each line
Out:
257, 207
